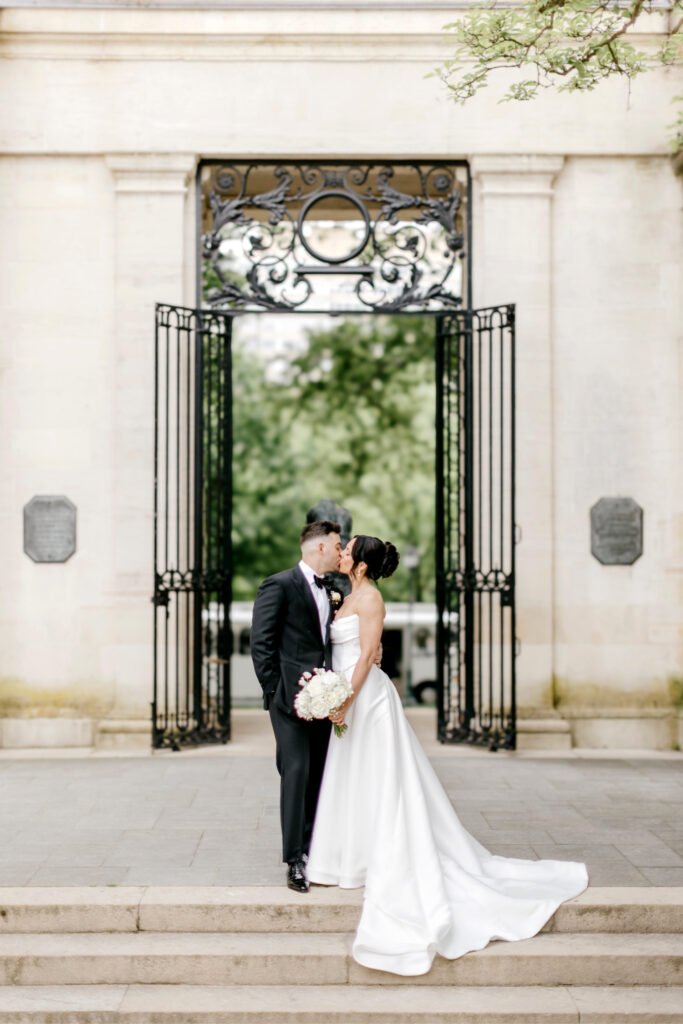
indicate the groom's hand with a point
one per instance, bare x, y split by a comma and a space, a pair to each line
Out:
378, 656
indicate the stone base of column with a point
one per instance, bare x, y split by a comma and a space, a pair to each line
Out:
42, 733
543, 734
625, 728
123, 734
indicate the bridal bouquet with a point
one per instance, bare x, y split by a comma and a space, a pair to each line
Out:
322, 692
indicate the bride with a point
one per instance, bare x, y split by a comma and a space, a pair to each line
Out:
384, 821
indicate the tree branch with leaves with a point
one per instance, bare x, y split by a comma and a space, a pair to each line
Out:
572, 45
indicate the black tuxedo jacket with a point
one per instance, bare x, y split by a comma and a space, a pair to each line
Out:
285, 637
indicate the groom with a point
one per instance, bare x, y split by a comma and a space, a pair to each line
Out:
290, 635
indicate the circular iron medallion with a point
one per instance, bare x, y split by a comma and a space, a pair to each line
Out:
341, 198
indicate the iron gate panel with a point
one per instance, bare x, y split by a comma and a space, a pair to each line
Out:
475, 539
406, 242
410, 252
192, 527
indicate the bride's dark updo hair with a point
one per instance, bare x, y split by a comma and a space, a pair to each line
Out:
381, 558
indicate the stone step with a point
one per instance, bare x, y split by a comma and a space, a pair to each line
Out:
275, 959
191, 1004
277, 909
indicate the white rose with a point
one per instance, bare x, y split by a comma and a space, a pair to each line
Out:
337, 696
302, 705
316, 687
319, 707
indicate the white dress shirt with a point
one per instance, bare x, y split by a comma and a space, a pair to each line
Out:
320, 597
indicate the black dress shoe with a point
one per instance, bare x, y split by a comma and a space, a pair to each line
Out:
296, 876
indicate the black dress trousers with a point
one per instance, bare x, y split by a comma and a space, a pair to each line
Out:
301, 748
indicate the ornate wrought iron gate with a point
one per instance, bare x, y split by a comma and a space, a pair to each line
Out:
265, 244
475, 540
192, 519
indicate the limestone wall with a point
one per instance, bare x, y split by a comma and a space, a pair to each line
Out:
616, 331
576, 218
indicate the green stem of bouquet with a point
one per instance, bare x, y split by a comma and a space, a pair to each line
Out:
339, 730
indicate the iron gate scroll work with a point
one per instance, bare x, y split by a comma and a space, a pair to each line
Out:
344, 238
475, 539
381, 237
192, 522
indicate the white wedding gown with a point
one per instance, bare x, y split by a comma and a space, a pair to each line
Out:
385, 822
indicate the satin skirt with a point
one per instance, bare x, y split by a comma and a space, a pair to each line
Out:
384, 821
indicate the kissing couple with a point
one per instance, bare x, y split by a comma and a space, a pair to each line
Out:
366, 808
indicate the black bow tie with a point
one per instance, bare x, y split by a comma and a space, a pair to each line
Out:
319, 581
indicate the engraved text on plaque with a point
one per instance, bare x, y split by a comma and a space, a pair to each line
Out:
616, 531
49, 528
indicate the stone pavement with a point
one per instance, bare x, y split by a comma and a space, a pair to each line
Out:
210, 816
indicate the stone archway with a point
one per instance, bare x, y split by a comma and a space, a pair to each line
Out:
348, 238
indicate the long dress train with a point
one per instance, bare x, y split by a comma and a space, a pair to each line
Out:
385, 822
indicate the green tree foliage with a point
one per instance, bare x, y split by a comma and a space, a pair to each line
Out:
350, 418
570, 44
268, 506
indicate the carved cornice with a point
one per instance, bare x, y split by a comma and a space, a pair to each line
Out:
529, 174
151, 172
235, 34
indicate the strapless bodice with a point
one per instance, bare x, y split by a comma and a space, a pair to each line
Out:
345, 637
345, 627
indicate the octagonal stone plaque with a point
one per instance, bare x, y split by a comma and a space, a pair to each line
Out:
49, 528
616, 531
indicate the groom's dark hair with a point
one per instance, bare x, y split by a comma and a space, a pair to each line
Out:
321, 528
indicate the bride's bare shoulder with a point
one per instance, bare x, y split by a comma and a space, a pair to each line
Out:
371, 601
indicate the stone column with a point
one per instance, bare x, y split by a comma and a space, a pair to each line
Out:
153, 251
512, 227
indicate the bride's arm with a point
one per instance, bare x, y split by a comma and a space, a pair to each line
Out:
371, 622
